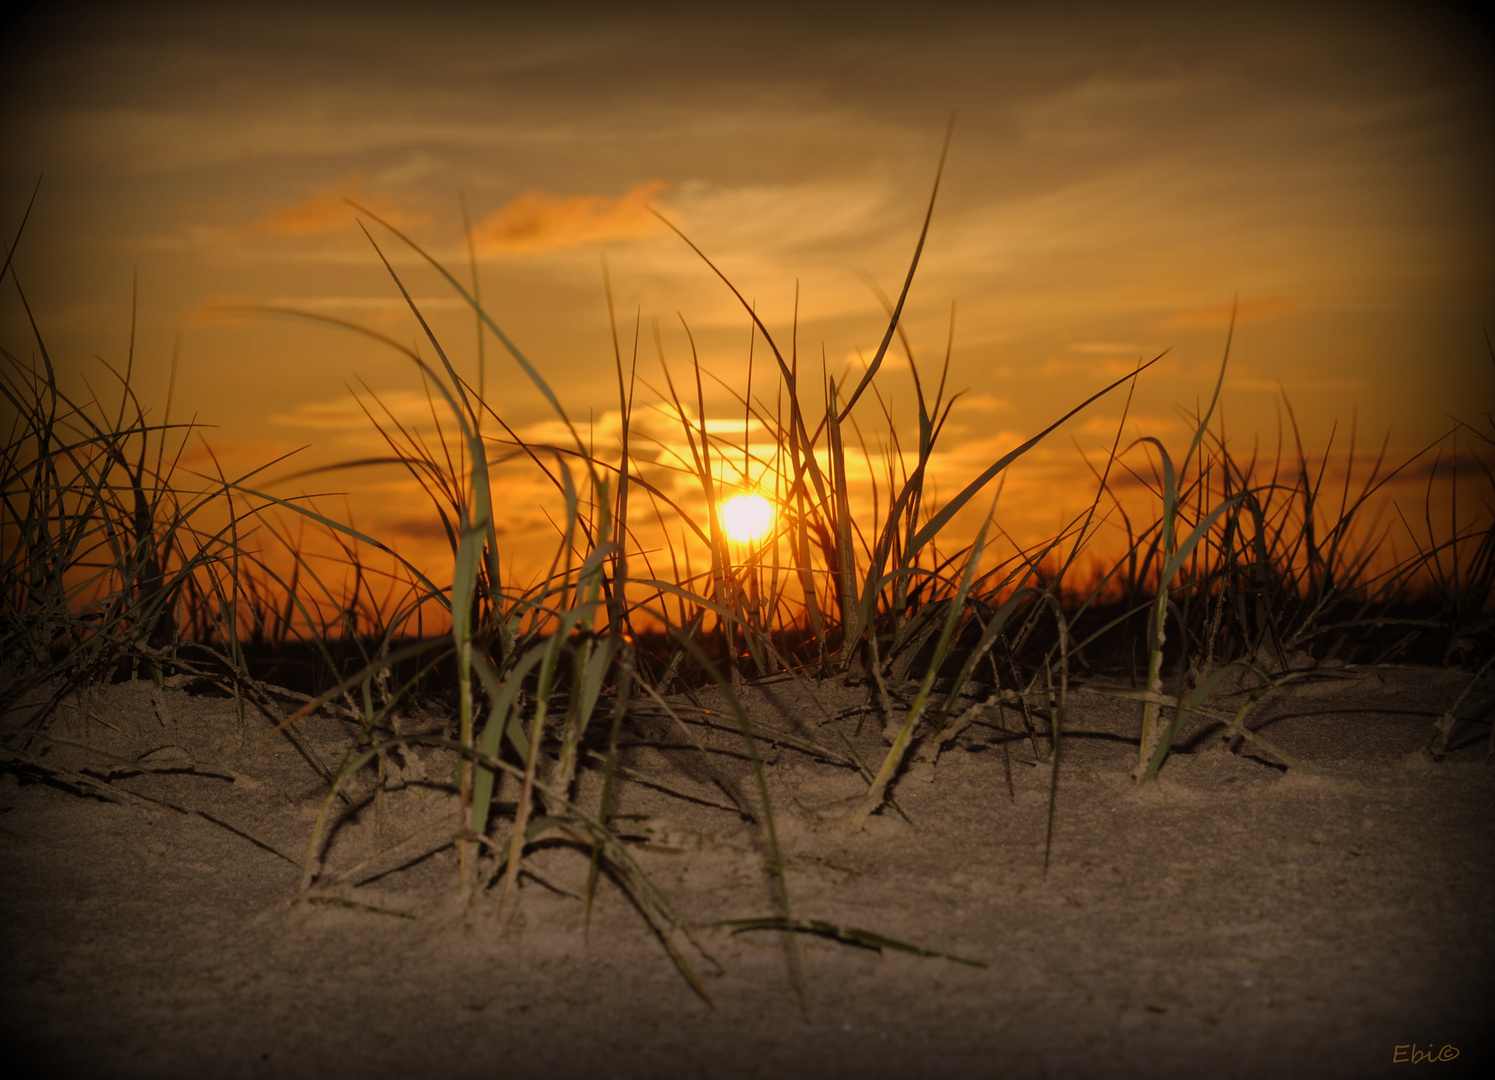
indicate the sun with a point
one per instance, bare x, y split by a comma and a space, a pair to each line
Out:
747, 517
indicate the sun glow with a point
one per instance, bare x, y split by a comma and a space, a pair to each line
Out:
747, 517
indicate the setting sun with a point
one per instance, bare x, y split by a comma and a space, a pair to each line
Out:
747, 517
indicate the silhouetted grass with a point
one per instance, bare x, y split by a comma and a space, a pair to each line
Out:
1241, 574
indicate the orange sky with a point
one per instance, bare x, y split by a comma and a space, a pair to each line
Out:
1117, 176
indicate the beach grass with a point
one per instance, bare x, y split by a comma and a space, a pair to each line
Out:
1240, 576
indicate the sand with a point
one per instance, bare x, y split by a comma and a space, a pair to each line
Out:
1232, 918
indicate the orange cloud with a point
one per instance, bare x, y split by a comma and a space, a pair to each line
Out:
1265, 306
327, 212
224, 309
210, 453
536, 221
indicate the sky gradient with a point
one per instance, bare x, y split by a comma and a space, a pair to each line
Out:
1118, 175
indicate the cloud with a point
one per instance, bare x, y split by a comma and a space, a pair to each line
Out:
1265, 306
211, 452
365, 303
1299, 385
324, 213
420, 528
407, 407
1103, 347
224, 309
327, 211
536, 221
1098, 110
1106, 426
983, 402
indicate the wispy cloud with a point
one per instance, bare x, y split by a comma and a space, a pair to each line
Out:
1265, 306
982, 402
365, 303
327, 211
538, 221
347, 414
1136, 423
323, 213
1299, 385
211, 453
1102, 109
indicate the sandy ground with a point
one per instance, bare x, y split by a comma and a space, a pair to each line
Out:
1234, 918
